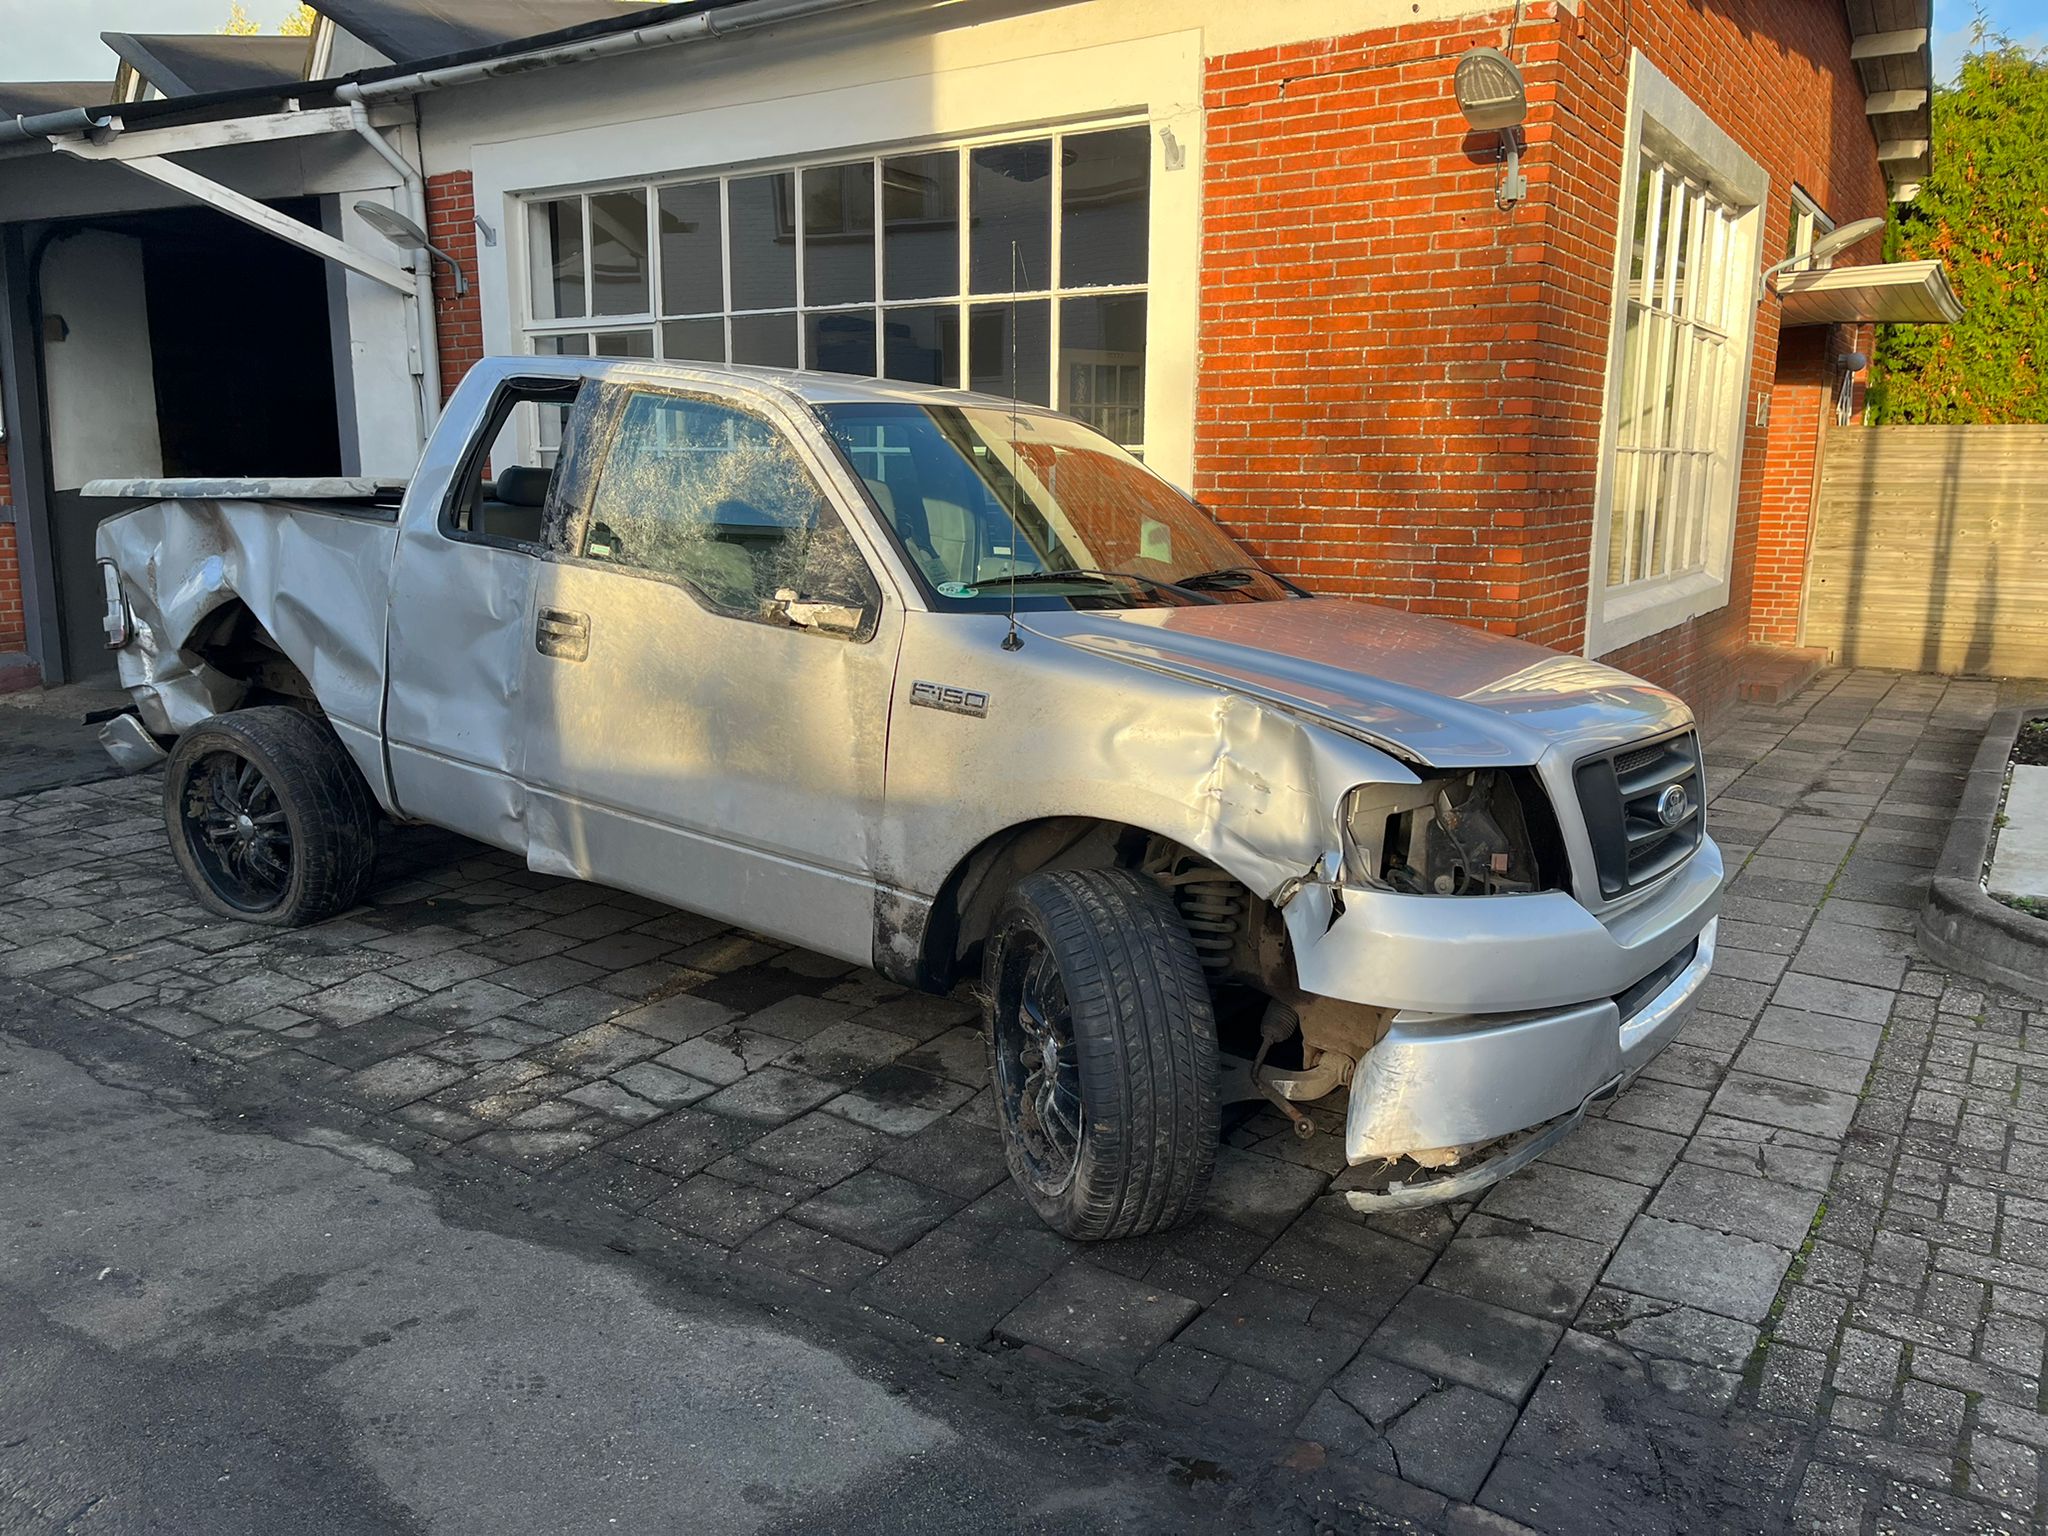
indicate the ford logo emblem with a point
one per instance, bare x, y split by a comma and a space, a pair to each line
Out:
1672, 805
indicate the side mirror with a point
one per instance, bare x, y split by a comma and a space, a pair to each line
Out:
826, 617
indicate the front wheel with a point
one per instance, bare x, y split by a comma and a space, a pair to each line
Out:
269, 819
1103, 1053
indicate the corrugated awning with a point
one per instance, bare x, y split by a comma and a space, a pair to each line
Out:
1897, 291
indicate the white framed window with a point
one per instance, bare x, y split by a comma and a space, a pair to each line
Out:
1806, 224
1685, 277
1019, 262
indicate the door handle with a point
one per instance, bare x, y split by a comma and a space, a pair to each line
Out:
564, 636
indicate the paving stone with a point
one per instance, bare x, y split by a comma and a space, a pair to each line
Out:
818, 1148
964, 1160
1796, 1064
402, 1079
462, 1006
1448, 1441
1379, 1389
1270, 1401
960, 1053
1349, 1265
1520, 1267
686, 1141
958, 1280
1097, 1318
1184, 1373
1260, 1193
1649, 1326
1345, 1435
723, 1056
1658, 1106
799, 1018
1567, 1200
1779, 1214
830, 1261
710, 1207
919, 1015
844, 1053
608, 1098
533, 1150
1715, 1271
660, 1086
899, 1099
1270, 1327
1756, 1154
1462, 1340
597, 1051
1795, 1106
675, 1019
771, 1096
1617, 1149
877, 1210
1846, 1000
364, 997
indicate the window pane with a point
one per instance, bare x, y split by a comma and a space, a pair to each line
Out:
624, 343
839, 233
763, 242
561, 346
1639, 250
841, 341
1677, 215
1102, 364
718, 500
1105, 202
921, 225
991, 342
618, 253
769, 341
692, 275
555, 257
697, 341
922, 345
1011, 191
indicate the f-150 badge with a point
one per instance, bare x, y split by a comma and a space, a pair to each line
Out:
957, 701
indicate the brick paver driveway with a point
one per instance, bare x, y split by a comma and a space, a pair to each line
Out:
1798, 1274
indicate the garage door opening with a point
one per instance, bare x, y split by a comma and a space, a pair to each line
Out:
177, 342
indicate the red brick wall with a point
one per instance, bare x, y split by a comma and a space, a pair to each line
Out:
13, 627
1401, 384
458, 322
1800, 397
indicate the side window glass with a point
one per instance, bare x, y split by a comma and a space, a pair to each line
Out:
703, 493
494, 499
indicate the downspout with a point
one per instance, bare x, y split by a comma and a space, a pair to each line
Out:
46, 125
426, 326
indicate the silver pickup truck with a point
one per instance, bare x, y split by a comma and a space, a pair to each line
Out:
958, 689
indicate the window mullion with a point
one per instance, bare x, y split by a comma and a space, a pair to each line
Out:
725, 261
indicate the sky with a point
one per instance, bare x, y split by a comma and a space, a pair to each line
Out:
60, 39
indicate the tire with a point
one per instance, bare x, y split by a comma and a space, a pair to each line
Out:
1107, 948
269, 819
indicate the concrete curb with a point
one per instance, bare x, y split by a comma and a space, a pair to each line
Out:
1961, 927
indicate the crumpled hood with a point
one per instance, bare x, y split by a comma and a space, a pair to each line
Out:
1444, 693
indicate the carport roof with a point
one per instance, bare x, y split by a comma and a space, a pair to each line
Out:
26, 98
194, 63
408, 31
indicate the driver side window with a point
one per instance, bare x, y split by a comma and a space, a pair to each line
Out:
704, 494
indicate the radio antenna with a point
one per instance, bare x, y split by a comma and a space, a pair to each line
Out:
1013, 641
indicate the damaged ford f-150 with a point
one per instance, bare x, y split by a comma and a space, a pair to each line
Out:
958, 689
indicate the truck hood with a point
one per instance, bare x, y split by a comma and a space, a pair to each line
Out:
1447, 695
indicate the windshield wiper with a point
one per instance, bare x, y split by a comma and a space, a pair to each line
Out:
1099, 578
1229, 578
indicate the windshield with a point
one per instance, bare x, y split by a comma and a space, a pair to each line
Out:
958, 484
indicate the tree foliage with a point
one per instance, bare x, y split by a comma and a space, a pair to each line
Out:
1983, 213
298, 24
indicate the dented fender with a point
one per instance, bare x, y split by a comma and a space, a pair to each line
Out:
316, 580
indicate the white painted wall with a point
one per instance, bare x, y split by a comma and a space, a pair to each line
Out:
102, 395
379, 349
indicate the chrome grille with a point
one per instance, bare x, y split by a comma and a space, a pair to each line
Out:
1620, 793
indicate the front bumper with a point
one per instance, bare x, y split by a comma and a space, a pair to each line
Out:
1509, 1011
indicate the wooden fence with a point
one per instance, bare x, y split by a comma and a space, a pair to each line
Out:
1930, 550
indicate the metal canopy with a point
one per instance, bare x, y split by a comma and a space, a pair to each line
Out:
1895, 292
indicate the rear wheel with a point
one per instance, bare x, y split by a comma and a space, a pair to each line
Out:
269, 820
1103, 1053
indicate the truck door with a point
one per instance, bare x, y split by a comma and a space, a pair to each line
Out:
461, 623
709, 673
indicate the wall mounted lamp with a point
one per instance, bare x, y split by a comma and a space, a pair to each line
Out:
406, 235
1490, 94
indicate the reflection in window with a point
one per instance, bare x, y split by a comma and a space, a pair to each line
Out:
1105, 209
1010, 207
767, 341
1102, 364
1000, 334
618, 253
839, 234
921, 344
555, 230
763, 241
921, 225
692, 265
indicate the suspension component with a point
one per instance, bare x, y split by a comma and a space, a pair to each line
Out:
1213, 907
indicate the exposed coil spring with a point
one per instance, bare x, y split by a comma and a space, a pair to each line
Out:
1212, 905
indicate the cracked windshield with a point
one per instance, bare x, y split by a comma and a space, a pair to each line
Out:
974, 494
